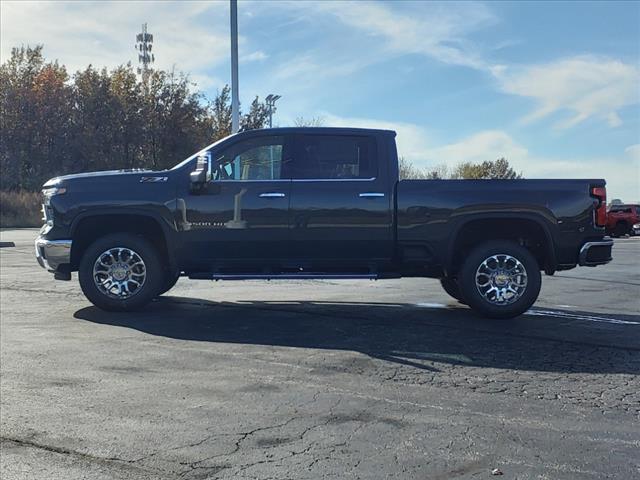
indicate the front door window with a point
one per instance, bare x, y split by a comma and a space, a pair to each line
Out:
256, 159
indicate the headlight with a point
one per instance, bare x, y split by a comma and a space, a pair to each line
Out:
49, 192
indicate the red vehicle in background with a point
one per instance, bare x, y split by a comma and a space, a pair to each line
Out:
621, 218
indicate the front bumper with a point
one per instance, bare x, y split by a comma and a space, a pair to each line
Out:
595, 253
53, 253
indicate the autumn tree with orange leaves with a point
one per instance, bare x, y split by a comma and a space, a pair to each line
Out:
52, 123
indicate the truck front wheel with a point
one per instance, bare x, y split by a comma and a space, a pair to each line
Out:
450, 285
120, 272
500, 279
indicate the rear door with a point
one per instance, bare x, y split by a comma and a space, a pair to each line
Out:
340, 206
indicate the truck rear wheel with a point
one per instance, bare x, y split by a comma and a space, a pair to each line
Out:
120, 272
500, 279
170, 280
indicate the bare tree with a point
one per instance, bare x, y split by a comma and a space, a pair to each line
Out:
408, 171
487, 170
439, 172
467, 170
309, 122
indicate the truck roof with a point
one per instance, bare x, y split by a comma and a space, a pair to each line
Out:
320, 130
293, 130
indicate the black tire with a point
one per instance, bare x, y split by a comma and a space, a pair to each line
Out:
152, 284
621, 229
450, 285
170, 280
481, 304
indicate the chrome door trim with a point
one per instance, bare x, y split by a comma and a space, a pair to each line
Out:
272, 195
333, 179
226, 180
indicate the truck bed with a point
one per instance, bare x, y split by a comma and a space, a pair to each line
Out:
430, 213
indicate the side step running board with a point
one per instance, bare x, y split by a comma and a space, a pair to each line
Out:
286, 276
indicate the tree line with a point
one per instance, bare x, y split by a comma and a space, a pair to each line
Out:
52, 122
489, 169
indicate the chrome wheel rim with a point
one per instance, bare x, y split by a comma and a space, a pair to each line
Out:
119, 273
501, 279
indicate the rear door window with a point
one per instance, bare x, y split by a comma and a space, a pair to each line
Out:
334, 157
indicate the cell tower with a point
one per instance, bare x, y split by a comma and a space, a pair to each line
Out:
144, 45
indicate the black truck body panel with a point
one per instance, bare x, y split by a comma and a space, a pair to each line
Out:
432, 212
375, 225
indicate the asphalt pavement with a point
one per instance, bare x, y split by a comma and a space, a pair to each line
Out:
319, 379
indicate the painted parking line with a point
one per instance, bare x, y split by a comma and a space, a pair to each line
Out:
578, 316
545, 313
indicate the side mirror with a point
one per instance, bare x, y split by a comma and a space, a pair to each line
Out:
200, 176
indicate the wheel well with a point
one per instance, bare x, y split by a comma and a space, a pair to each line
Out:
528, 233
90, 229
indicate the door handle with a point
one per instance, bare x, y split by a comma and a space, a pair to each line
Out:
371, 195
271, 195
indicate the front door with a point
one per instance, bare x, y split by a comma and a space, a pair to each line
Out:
240, 219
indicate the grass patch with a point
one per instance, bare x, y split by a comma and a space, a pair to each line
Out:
20, 209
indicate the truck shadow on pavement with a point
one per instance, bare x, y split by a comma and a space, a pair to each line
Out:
406, 334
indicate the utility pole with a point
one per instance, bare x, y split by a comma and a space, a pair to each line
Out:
235, 97
144, 45
271, 103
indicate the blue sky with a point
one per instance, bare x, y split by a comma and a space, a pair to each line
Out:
552, 86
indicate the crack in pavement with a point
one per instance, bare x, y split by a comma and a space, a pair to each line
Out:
25, 443
238, 444
294, 453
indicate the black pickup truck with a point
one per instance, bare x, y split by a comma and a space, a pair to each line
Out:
316, 203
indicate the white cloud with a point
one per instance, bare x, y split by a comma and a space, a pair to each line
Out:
412, 139
584, 86
346, 37
434, 30
416, 144
621, 171
206, 82
103, 33
481, 146
633, 152
571, 89
256, 56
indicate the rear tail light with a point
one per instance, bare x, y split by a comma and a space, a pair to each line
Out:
600, 205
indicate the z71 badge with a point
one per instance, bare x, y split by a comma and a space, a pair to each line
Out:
153, 179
